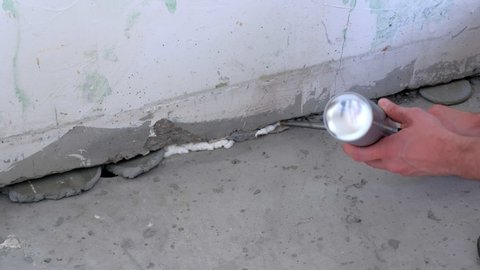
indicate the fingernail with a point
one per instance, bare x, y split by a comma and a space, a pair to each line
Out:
383, 102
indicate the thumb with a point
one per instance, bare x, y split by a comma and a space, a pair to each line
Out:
397, 113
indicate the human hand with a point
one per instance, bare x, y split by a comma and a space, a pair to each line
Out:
422, 147
463, 123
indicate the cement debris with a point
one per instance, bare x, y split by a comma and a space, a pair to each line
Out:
11, 242
53, 187
448, 94
137, 166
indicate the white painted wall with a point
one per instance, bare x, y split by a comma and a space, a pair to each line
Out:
108, 63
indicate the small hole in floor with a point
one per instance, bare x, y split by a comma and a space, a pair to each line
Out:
106, 173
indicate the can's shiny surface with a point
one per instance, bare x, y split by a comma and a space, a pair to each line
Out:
352, 118
348, 117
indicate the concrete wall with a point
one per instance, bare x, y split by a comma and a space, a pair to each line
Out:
211, 66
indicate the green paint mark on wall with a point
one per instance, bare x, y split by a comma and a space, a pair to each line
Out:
352, 3
96, 87
171, 5
132, 19
19, 93
344, 33
9, 7
396, 16
109, 54
376, 4
92, 55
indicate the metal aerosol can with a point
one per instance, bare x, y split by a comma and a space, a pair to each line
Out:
354, 119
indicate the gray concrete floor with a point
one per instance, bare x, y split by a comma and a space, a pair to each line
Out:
286, 201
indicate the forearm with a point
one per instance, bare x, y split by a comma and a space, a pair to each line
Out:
473, 123
460, 122
464, 157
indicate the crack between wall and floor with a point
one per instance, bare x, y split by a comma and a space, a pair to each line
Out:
172, 149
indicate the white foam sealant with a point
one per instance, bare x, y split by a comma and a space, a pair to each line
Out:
266, 130
194, 147
209, 146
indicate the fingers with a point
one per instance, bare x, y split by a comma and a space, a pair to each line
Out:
397, 113
377, 164
365, 154
439, 110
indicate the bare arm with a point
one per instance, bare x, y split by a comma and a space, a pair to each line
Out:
468, 163
462, 123
424, 146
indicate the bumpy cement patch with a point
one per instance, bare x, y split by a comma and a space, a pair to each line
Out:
87, 146
167, 133
448, 94
53, 187
137, 166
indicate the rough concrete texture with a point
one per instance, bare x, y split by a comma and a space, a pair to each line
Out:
448, 94
53, 187
86, 147
136, 166
285, 201
392, 83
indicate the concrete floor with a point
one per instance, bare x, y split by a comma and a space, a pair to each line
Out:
286, 201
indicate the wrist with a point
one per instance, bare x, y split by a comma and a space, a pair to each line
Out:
463, 157
475, 120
